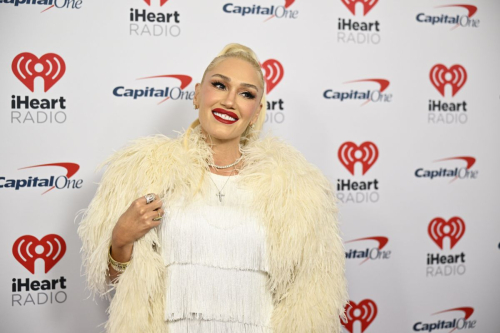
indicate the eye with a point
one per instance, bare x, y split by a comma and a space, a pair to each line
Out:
248, 95
219, 85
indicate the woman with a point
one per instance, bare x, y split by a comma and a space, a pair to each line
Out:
237, 234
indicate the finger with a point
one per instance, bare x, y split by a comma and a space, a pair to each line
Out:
144, 200
155, 217
155, 205
155, 223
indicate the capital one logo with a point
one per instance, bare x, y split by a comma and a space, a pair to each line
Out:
27, 67
463, 322
439, 229
27, 249
273, 73
364, 312
367, 5
184, 79
349, 154
455, 76
382, 242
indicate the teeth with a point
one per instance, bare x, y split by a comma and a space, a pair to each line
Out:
224, 116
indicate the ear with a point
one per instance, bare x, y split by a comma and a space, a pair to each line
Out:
254, 120
196, 94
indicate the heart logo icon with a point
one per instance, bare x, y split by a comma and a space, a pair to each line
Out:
365, 312
349, 154
367, 5
440, 76
53, 248
162, 2
454, 228
273, 73
26, 67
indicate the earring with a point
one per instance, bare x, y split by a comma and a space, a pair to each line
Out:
252, 126
195, 106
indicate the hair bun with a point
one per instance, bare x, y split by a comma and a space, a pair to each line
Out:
238, 48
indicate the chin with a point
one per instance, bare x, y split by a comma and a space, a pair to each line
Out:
220, 133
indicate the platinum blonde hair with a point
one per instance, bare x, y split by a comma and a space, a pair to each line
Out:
235, 50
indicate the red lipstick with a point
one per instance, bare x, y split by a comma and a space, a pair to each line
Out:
221, 112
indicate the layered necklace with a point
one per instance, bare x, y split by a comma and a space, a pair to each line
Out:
219, 194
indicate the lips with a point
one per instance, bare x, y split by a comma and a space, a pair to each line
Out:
224, 116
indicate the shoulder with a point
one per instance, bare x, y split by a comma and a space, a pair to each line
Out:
156, 164
139, 163
142, 151
278, 159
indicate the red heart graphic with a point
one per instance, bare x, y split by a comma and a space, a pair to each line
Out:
455, 230
24, 250
52, 69
162, 2
367, 5
273, 73
366, 313
440, 76
368, 155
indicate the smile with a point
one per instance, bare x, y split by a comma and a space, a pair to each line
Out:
225, 117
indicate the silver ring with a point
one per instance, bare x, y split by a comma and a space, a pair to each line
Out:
150, 198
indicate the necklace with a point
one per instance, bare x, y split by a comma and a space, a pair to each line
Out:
229, 165
220, 194
226, 166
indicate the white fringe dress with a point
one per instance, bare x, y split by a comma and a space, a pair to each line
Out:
217, 270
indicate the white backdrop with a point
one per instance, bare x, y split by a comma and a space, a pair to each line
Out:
323, 59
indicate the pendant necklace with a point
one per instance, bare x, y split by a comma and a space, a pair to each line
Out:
220, 194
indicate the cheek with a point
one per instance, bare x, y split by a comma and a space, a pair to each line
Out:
249, 109
208, 95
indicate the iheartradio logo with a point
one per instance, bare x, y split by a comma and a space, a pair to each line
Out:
162, 2
273, 73
440, 76
349, 154
364, 312
367, 5
26, 67
27, 249
454, 229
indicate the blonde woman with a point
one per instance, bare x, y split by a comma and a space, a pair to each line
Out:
217, 230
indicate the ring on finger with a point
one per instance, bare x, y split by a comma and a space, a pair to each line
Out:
158, 218
150, 198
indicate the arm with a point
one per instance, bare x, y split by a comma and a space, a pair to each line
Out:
316, 294
112, 219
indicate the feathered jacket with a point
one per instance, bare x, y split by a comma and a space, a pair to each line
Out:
295, 203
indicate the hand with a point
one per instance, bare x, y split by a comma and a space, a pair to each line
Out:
133, 224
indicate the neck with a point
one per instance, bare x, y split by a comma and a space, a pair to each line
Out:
225, 152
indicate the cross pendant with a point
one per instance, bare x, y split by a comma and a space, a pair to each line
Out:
220, 195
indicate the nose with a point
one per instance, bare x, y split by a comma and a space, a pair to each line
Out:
229, 99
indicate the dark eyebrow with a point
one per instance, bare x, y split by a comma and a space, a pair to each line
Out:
225, 78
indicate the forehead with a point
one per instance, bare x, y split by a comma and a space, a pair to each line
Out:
238, 70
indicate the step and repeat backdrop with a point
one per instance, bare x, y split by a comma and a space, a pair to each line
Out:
397, 102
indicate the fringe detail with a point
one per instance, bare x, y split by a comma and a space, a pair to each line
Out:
201, 326
211, 293
216, 257
226, 235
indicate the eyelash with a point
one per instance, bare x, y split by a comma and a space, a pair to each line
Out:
217, 83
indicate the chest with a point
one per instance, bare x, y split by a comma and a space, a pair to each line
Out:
209, 231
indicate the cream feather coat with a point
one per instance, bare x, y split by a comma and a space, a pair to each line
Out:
295, 203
